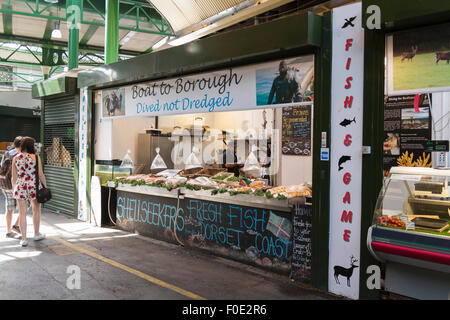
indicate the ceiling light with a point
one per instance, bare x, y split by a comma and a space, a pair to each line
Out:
56, 33
160, 43
127, 37
51, 1
192, 36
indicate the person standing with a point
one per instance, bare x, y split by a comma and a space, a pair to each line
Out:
10, 202
24, 187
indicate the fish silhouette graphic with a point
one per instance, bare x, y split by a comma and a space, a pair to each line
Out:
342, 160
347, 122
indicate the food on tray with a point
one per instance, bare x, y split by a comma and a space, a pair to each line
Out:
153, 179
234, 179
243, 189
190, 173
168, 173
222, 176
135, 177
203, 182
210, 172
298, 191
430, 224
291, 191
391, 221
412, 216
218, 180
276, 190
257, 184
173, 181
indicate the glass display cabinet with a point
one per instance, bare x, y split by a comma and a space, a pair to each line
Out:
410, 233
110, 169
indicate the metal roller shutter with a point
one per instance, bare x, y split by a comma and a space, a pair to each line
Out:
59, 153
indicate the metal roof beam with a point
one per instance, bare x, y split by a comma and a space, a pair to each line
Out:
7, 22
46, 57
57, 44
161, 25
88, 34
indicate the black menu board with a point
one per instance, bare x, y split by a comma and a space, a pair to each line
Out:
296, 130
406, 130
301, 252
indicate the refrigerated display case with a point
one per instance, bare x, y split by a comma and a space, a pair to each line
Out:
410, 234
109, 170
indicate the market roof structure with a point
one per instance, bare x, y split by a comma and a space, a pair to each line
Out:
35, 33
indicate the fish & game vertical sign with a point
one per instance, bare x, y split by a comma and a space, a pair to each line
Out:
82, 163
346, 150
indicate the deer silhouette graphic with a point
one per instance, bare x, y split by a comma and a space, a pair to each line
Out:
346, 272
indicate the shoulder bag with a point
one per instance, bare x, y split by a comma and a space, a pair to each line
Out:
6, 173
43, 194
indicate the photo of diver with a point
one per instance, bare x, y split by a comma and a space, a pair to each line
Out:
113, 102
286, 81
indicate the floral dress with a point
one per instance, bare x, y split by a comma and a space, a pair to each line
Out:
25, 187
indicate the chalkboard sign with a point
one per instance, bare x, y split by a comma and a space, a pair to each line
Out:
406, 129
301, 252
296, 130
258, 236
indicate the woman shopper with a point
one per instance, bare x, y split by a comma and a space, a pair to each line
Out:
24, 187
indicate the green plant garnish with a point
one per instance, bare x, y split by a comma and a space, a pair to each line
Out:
259, 193
281, 197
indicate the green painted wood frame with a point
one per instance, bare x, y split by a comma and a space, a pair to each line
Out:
304, 33
394, 16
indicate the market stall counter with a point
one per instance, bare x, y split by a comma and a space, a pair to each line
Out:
234, 217
411, 232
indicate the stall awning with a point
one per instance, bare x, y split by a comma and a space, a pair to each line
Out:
293, 35
53, 88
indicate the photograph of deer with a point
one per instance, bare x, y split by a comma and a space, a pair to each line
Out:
345, 272
409, 55
413, 58
442, 56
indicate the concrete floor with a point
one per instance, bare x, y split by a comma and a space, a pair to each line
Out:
114, 264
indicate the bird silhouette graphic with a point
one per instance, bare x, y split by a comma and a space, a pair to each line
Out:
349, 22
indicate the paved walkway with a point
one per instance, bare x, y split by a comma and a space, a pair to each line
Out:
114, 264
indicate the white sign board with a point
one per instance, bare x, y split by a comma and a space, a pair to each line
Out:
273, 84
346, 150
82, 156
96, 201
